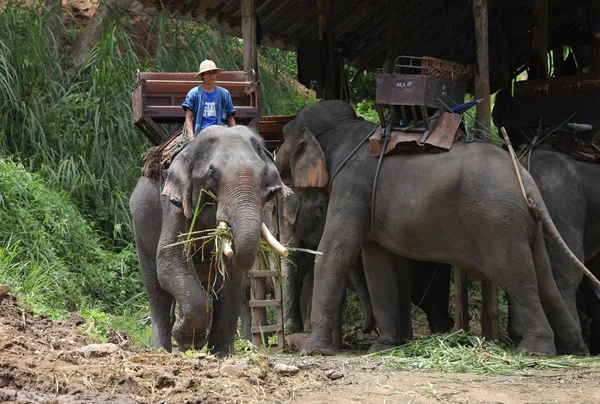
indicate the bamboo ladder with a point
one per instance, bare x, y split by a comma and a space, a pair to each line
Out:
260, 278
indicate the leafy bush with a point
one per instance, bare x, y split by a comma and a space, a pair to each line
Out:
75, 128
50, 254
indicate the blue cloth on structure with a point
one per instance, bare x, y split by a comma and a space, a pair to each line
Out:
195, 102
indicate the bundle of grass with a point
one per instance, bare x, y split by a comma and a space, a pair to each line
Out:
221, 242
463, 352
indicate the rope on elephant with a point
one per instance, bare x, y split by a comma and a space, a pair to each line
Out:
516, 166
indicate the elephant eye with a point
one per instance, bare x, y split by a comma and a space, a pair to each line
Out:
211, 173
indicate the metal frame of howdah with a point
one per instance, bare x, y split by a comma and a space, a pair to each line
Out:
553, 41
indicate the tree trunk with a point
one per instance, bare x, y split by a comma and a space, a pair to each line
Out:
91, 35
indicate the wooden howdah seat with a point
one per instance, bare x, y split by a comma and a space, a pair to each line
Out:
157, 100
413, 102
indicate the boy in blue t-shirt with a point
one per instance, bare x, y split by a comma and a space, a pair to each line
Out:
207, 104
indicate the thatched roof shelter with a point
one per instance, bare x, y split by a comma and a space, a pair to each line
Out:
438, 28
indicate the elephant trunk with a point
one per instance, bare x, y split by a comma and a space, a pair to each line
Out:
240, 206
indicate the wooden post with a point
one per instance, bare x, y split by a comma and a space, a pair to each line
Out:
596, 37
393, 34
482, 75
558, 59
461, 299
249, 36
506, 67
539, 31
490, 316
326, 35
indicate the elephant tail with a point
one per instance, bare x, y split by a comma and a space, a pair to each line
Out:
540, 211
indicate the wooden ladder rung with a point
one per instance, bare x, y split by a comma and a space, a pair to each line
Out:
265, 303
259, 273
267, 328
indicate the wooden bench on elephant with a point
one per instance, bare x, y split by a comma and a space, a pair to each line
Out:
157, 100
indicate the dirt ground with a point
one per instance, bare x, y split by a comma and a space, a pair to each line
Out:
43, 361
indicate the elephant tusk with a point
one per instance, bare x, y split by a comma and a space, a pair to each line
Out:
273, 242
225, 244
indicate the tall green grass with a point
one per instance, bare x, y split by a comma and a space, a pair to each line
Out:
75, 128
70, 155
50, 254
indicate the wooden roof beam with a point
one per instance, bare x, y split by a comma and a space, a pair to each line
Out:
539, 31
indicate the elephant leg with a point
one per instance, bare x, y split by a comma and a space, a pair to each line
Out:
159, 300
514, 326
513, 269
306, 300
382, 277
567, 276
592, 306
565, 324
293, 287
226, 304
181, 281
430, 291
341, 242
359, 282
245, 312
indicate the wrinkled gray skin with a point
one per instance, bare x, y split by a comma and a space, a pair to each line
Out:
588, 307
233, 164
462, 208
303, 222
571, 191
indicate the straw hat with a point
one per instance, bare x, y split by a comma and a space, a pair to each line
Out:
207, 66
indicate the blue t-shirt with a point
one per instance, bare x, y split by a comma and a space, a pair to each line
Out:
195, 102
209, 117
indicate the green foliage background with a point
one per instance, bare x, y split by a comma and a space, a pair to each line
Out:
70, 155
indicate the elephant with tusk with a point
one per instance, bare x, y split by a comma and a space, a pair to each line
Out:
233, 164
463, 208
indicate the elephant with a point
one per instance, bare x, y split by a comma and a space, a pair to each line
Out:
303, 221
464, 208
588, 307
233, 164
571, 191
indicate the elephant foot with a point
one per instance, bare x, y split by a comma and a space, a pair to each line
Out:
379, 346
537, 348
222, 352
595, 345
186, 341
574, 347
313, 347
368, 324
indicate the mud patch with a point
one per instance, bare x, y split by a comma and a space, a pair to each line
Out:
45, 361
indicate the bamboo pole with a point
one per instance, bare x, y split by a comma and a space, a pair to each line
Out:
489, 315
248, 8
539, 31
482, 75
596, 37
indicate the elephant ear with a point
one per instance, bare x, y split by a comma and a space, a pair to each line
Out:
307, 161
178, 186
273, 182
291, 206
